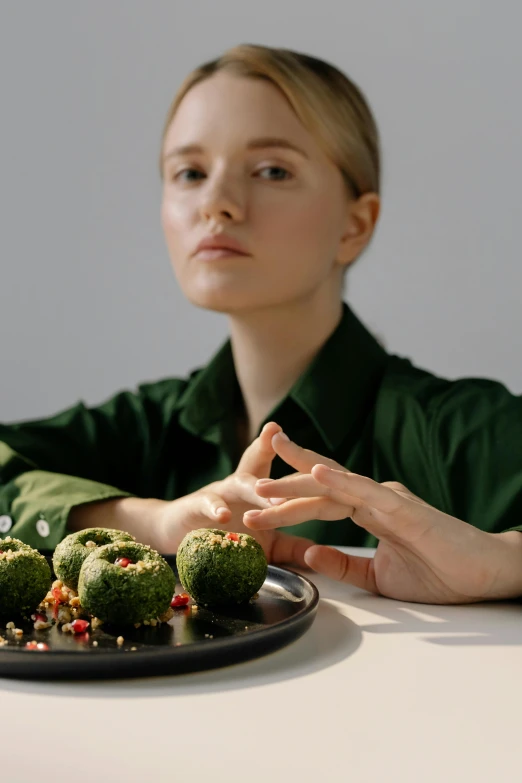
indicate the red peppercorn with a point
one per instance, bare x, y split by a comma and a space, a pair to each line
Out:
181, 599
79, 626
123, 562
232, 536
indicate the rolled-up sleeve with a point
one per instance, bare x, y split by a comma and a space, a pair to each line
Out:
80, 455
476, 438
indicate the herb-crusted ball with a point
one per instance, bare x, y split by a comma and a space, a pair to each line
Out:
219, 568
126, 583
70, 553
25, 577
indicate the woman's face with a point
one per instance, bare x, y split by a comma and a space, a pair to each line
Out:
251, 171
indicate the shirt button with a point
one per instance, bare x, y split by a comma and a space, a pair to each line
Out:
6, 523
42, 527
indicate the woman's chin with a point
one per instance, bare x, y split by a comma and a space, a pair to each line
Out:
222, 299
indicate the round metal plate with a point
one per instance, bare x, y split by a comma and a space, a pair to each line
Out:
193, 640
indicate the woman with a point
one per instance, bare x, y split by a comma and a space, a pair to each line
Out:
270, 167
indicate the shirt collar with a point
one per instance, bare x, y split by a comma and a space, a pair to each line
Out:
211, 396
339, 388
336, 391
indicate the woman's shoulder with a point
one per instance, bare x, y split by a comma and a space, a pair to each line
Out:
474, 398
170, 389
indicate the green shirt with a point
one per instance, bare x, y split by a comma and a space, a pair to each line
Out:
456, 444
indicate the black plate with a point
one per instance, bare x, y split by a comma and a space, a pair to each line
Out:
193, 639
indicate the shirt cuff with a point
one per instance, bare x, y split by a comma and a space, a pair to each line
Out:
35, 506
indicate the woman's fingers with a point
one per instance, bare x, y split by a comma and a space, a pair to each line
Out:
301, 459
209, 505
297, 485
357, 571
364, 490
290, 549
258, 457
295, 511
384, 510
206, 508
241, 488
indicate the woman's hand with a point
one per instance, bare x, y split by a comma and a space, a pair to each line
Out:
225, 503
423, 554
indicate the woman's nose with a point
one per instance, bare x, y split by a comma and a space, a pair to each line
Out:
221, 200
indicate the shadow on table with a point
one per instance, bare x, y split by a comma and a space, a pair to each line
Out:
332, 638
468, 625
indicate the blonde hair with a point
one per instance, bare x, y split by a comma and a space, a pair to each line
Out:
326, 101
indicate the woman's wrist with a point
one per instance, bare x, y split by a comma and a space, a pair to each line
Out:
509, 568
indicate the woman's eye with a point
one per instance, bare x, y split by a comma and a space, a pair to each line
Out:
180, 175
277, 173
271, 173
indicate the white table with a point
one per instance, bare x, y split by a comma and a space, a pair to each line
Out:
376, 690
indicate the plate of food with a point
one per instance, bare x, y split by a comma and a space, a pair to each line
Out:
103, 606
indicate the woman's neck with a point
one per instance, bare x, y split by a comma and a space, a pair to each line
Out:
272, 347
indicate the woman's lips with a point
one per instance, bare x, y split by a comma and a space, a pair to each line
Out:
217, 253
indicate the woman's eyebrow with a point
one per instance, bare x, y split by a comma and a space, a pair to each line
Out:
264, 142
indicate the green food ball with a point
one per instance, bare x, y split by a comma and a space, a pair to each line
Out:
70, 553
219, 568
25, 577
126, 593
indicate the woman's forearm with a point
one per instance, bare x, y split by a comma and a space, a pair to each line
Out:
137, 516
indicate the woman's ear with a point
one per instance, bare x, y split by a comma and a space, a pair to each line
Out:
362, 217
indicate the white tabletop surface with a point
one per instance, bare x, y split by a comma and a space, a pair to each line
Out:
376, 690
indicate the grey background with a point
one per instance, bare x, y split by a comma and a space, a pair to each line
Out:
88, 303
